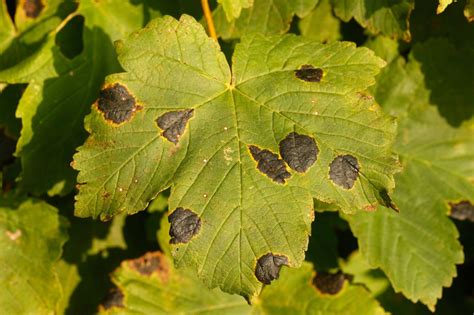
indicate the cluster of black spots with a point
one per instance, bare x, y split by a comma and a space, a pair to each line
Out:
270, 164
344, 171
268, 267
300, 152
116, 104
113, 299
184, 225
309, 73
462, 210
33, 8
329, 283
174, 123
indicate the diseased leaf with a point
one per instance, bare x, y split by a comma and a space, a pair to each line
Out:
297, 293
61, 91
378, 16
31, 237
469, 10
232, 8
321, 24
151, 285
241, 202
418, 247
268, 17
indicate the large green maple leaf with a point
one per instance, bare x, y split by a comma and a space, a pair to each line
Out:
244, 152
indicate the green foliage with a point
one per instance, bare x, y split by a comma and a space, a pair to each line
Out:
31, 236
327, 170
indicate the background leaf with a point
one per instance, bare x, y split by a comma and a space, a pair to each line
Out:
31, 237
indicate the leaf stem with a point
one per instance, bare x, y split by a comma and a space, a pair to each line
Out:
209, 20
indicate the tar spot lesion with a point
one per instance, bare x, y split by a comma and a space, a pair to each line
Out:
330, 283
268, 267
309, 73
344, 170
149, 263
300, 152
174, 123
116, 103
184, 225
33, 8
270, 164
463, 210
114, 299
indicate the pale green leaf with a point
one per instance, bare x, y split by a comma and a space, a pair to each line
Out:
321, 24
151, 285
31, 237
232, 8
172, 66
267, 17
418, 247
378, 16
294, 293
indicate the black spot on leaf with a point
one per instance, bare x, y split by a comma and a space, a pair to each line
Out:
309, 73
462, 210
116, 104
329, 283
33, 8
299, 151
270, 164
113, 299
149, 263
184, 224
344, 170
174, 123
268, 267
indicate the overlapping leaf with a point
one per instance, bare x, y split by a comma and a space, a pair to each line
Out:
60, 92
386, 17
233, 8
321, 24
267, 17
179, 117
31, 236
150, 285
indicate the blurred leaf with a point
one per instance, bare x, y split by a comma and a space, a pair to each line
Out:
31, 237
232, 8
61, 91
266, 17
295, 293
151, 285
9, 98
442, 5
321, 24
378, 16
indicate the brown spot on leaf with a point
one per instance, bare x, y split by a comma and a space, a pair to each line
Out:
269, 164
114, 299
150, 263
174, 123
344, 170
32, 8
329, 283
309, 73
116, 103
462, 210
299, 151
268, 267
184, 225
13, 235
